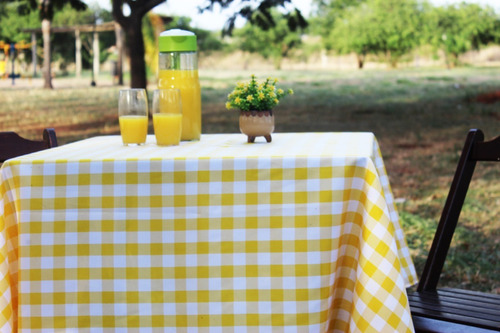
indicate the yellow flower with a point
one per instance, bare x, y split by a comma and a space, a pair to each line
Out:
264, 94
290, 91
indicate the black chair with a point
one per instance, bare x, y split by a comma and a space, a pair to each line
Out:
12, 145
454, 310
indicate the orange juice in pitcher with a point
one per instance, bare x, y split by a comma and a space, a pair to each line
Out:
178, 68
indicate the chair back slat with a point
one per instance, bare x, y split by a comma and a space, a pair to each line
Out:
475, 149
12, 145
487, 151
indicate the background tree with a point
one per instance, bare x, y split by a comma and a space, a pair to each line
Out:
326, 13
14, 18
396, 27
461, 28
355, 33
387, 27
46, 9
132, 25
3, 6
259, 15
274, 42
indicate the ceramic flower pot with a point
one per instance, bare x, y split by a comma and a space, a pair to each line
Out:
257, 123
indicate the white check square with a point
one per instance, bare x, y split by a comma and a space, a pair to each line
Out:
119, 261
215, 308
95, 286
168, 260
93, 262
120, 309
120, 285
47, 310
96, 309
144, 285
192, 309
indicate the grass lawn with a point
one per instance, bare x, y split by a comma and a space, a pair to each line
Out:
420, 117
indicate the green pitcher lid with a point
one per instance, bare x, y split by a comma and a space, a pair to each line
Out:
177, 40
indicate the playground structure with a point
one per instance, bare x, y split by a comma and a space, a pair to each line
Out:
11, 52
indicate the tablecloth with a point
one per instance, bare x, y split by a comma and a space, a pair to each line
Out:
216, 235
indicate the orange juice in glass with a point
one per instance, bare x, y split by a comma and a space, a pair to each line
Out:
133, 116
167, 116
133, 129
178, 69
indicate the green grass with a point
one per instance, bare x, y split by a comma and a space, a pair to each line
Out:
419, 116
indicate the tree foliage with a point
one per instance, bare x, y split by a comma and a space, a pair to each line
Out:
398, 24
394, 28
354, 33
13, 23
275, 43
327, 13
260, 14
461, 28
386, 27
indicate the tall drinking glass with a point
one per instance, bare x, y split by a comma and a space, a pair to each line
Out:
133, 116
167, 116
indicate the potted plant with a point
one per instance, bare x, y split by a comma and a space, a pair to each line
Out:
256, 101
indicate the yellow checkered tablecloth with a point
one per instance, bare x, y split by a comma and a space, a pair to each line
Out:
298, 235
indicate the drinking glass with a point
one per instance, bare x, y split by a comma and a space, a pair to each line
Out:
133, 116
167, 116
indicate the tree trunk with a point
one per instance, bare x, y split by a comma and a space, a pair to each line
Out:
133, 31
392, 60
47, 75
78, 54
96, 54
361, 60
277, 63
33, 52
132, 25
119, 49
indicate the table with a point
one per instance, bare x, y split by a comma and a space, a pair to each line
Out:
297, 235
